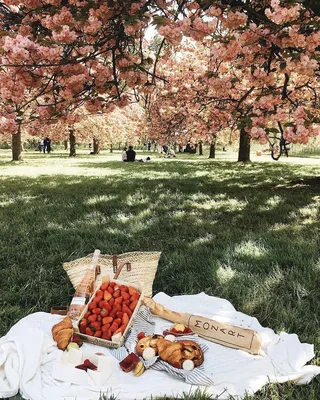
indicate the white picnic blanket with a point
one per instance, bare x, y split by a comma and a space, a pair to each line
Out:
27, 355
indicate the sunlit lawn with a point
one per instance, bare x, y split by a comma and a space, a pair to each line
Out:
247, 233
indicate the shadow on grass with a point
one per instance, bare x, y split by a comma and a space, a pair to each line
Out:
160, 207
241, 232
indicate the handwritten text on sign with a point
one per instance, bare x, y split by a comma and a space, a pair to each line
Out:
226, 334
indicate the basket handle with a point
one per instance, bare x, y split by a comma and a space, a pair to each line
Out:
118, 268
59, 310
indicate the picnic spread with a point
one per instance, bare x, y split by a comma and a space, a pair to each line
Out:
117, 341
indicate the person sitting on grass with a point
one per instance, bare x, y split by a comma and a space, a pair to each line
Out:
148, 159
124, 154
131, 154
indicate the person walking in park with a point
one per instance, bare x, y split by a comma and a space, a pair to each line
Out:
48, 145
131, 154
45, 143
41, 145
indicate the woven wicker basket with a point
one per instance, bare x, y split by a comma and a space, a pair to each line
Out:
143, 268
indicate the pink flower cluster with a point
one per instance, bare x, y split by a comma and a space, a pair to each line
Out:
305, 66
93, 106
103, 12
258, 134
124, 62
261, 78
102, 74
313, 41
64, 17
221, 86
281, 15
19, 49
131, 30
25, 30
55, 3
93, 26
12, 89
294, 39
44, 112
301, 133
214, 12
132, 78
171, 32
8, 125
228, 52
64, 35
234, 20
136, 7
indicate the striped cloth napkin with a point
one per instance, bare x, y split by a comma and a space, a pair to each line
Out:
144, 323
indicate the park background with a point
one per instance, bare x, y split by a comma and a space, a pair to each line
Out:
238, 75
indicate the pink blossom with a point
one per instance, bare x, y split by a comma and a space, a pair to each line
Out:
65, 35
93, 26
8, 125
280, 14
300, 113
171, 33
235, 20
215, 12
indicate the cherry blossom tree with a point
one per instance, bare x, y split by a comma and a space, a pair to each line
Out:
268, 58
60, 55
265, 68
121, 126
118, 126
183, 110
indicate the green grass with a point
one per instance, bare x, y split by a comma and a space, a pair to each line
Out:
247, 233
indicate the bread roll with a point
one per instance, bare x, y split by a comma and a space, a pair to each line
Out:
174, 353
62, 333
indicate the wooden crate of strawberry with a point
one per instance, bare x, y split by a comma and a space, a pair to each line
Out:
108, 316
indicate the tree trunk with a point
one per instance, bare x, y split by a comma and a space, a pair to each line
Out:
65, 142
200, 149
96, 146
72, 141
212, 152
244, 146
111, 148
17, 145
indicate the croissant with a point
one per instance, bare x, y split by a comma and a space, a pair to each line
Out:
174, 353
62, 333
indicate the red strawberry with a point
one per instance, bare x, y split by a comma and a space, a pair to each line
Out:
76, 339
89, 332
141, 335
